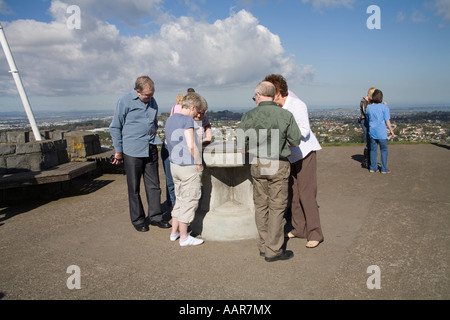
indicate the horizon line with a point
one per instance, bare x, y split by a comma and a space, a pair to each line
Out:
235, 109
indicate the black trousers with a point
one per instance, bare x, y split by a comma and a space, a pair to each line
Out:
135, 169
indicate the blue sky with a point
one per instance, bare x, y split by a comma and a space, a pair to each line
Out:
223, 49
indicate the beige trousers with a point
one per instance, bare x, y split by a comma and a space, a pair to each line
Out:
188, 190
270, 194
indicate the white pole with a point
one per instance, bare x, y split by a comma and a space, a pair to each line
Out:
20, 88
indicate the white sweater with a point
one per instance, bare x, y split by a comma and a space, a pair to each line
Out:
309, 141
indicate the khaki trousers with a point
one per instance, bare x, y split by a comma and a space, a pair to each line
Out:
270, 193
188, 190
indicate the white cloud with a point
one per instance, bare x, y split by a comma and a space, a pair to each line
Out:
4, 8
443, 8
418, 16
400, 16
319, 4
97, 59
130, 12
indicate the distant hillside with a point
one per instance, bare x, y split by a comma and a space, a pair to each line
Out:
213, 115
443, 116
84, 125
224, 115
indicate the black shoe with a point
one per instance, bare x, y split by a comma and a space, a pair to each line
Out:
161, 224
141, 228
284, 256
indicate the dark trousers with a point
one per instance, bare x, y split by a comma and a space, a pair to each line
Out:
135, 169
305, 211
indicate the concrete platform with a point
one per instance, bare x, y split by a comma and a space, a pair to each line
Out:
399, 223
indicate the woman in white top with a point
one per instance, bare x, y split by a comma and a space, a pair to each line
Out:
303, 179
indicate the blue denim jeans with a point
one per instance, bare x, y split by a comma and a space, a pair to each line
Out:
365, 127
374, 155
170, 187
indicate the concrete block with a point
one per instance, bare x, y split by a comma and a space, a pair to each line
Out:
45, 135
7, 149
18, 136
35, 147
60, 144
82, 145
3, 137
57, 134
26, 148
25, 162
75, 146
61, 150
3, 169
63, 156
50, 159
93, 147
47, 146
35, 161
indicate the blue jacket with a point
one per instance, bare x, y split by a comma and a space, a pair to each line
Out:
378, 114
134, 126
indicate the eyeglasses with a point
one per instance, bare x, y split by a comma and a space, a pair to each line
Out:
254, 97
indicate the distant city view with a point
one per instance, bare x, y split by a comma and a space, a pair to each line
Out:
331, 126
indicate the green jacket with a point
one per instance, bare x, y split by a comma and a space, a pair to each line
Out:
268, 127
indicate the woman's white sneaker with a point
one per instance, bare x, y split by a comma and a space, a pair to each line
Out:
190, 241
174, 237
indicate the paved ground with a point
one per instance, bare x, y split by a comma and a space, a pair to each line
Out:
398, 222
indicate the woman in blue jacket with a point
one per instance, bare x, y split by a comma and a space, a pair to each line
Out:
379, 118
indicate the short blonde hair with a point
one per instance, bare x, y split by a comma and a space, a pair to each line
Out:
370, 93
180, 97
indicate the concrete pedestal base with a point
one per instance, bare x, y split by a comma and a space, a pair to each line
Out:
231, 222
226, 210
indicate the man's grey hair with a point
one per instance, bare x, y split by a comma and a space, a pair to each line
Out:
266, 89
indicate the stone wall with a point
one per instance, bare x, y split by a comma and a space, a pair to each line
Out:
81, 145
20, 152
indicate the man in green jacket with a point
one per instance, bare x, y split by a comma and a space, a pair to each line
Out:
266, 132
